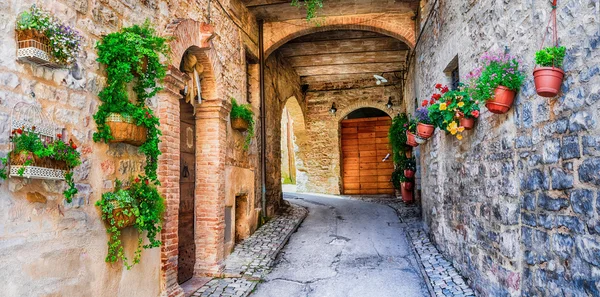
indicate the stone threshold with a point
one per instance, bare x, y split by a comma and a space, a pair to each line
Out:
254, 257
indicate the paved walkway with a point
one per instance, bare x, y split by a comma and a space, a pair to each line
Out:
345, 248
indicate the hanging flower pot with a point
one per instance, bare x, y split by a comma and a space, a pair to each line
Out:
502, 100
409, 173
123, 129
467, 123
124, 217
240, 124
548, 80
425, 130
410, 139
407, 194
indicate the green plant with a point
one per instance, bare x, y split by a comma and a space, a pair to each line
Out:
412, 126
36, 19
397, 177
244, 112
397, 137
135, 49
144, 202
311, 7
550, 56
498, 70
409, 164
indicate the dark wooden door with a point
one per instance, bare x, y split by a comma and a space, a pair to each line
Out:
364, 145
187, 185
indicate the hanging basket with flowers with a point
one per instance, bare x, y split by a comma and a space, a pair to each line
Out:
497, 81
44, 40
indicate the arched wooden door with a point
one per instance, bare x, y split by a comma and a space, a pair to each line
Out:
187, 185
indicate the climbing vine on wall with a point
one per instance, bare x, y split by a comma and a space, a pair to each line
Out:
311, 7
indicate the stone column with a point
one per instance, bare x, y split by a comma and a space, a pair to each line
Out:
211, 140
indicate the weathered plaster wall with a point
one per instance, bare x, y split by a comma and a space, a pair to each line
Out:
321, 155
52, 248
516, 203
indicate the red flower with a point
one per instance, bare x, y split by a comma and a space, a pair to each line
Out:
436, 96
137, 180
147, 182
432, 102
59, 136
74, 146
448, 102
445, 89
425, 102
475, 113
20, 131
438, 86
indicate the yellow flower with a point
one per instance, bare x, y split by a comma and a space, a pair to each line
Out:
443, 106
459, 137
461, 104
453, 128
460, 129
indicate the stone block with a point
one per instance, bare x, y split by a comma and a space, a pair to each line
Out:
546, 221
551, 151
588, 248
572, 223
528, 219
589, 171
528, 201
549, 203
570, 148
561, 179
581, 202
581, 121
562, 245
535, 180
591, 145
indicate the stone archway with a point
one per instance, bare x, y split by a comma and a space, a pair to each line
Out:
191, 38
341, 114
293, 142
277, 34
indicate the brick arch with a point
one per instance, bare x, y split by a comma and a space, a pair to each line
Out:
341, 114
189, 36
297, 113
399, 27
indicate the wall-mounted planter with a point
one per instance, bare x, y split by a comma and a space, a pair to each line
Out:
425, 131
410, 139
240, 124
502, 100
548, 80
123, 217
33, 47
409, 173
467, 123
123, 129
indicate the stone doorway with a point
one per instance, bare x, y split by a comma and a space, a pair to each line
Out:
187, 186
242, 229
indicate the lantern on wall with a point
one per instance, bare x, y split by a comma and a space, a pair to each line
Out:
333, 109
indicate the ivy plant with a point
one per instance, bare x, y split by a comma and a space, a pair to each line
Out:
244, 112
311, 7
551, 56
136, 49
397, 137
141, 200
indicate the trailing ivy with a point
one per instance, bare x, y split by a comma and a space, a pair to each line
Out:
311, 7
133, 50
397, 137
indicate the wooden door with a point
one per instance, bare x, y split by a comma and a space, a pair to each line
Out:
364, 145
187, 185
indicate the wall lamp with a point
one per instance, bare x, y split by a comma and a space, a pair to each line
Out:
389, 104
333, 109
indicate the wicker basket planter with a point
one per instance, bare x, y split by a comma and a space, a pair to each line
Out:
33, 46
240, 124
38, 168
123, 220
124, 130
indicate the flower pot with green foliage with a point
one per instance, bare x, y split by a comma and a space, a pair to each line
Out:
496, 82
424, 127
467, 123
410, 133
242, 119
549, 77
397, 137
410, 166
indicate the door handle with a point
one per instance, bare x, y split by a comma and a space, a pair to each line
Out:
186, 171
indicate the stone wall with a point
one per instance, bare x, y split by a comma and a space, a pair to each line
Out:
516, 203
321, 155
54, 248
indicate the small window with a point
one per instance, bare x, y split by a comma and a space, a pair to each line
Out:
455, 78
453, 73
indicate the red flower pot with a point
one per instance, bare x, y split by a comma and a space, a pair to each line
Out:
467, 123
425, 130
409, 173
502, 101
548, 80
410, 139
407, 194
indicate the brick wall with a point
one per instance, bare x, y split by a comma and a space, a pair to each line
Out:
515, 204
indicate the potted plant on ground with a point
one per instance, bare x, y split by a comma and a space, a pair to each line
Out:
140, 206
407, 189
242, 119
549, 76
444, 113
136, 49
497, 82
44, 40
410, 133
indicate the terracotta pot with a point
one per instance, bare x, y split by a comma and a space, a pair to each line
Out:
502, 101
121, 219
425, 130
123, 129
410, 139
548, 80
240, 124
467, 123
409, 173
407, 194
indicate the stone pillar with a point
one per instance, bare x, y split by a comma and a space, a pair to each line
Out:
168, 174
211, 140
